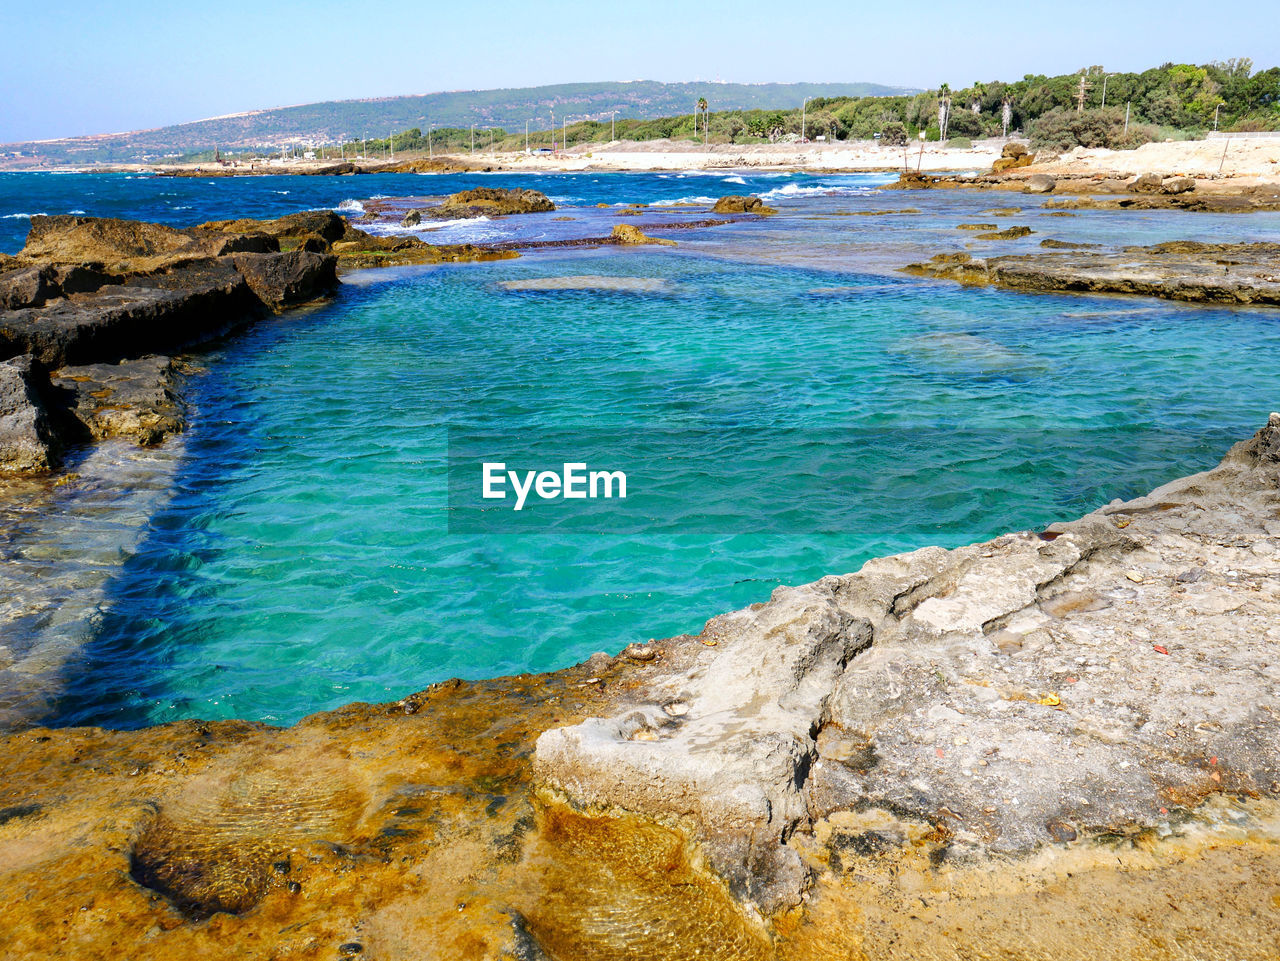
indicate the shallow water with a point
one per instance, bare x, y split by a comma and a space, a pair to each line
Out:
788, 404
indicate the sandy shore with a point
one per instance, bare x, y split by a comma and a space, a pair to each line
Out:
1257, 159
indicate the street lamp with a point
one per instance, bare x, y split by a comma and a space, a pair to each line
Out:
1215, 115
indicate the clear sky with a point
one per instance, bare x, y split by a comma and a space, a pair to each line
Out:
81, 67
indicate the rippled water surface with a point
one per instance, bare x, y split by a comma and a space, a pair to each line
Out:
303, 555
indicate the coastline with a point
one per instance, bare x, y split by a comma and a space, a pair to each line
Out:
1244, 160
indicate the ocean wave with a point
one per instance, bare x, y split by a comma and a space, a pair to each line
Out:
350, 207
792, 191
22, 216
683, 200
76, 212
735, 180
426, 227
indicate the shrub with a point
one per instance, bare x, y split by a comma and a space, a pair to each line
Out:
1064, 128
894, 134
960, 143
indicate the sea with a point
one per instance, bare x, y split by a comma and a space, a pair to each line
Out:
784, 402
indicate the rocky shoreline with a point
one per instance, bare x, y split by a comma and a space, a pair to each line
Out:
1236, 274
1094, 699
94, 310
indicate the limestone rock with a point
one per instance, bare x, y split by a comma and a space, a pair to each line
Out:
128, 246
491, 201
1177, 185
1040, 184
1145, 184
1178, 270
284, 280
628, 235
139, 399
27, 440
26, 287
736, 204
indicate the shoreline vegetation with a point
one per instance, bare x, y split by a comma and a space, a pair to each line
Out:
1091, 108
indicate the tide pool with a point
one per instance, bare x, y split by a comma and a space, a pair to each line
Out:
304, 556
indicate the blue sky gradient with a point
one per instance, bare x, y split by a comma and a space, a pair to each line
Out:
91, 67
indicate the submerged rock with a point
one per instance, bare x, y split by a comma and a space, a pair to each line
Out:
1178, 270
140, 399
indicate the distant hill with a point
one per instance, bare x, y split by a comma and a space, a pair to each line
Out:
344, 120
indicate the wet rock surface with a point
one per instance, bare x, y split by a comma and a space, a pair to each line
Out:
92, 299
947, 753
735, 204
1177, 270
490, 201
140, 399
28, 443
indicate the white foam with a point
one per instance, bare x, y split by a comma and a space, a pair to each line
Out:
735, 180
684, 200
350, 206
791, 191
22, 216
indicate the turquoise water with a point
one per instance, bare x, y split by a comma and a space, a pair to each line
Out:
816, 410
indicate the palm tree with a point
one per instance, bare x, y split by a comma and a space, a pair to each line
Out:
979, 89
702, 108
944, 110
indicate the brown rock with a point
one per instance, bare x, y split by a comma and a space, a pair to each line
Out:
283, 280
627, 235
1177, 185
128, 246
736, 204
1145, 184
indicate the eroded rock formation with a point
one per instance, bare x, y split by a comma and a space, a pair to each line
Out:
1177, 270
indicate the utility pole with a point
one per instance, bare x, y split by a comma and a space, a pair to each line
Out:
613, 125
564, 137
431, 150
1105, 78
1080, 94
364, 148
526, 136
803, 108
553, 129
391, 144
1127, 105
473, 140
